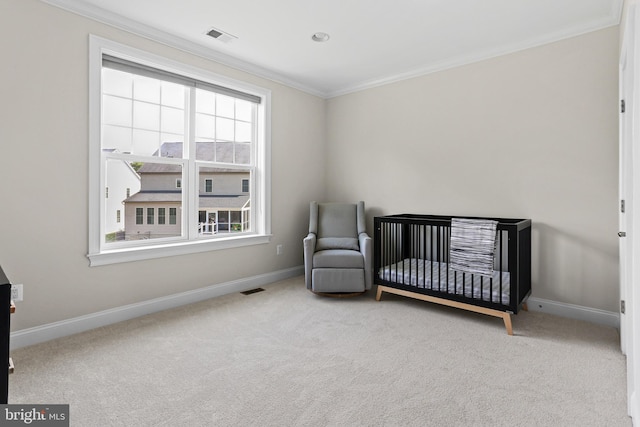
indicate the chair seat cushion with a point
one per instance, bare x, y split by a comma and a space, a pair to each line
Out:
337, 243
338, 258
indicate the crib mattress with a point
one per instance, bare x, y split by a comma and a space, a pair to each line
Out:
437, 276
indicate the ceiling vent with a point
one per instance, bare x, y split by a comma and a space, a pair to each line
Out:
221, 35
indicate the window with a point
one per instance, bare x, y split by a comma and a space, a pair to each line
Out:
158, 127
118, 216
150, 216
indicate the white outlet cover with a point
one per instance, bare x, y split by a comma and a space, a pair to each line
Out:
16, 292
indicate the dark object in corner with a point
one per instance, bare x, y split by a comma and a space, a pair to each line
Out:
5, 326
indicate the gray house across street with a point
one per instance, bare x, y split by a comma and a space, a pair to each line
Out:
223, 201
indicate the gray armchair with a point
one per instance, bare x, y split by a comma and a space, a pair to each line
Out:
337, 250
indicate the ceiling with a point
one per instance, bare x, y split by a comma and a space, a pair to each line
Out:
372, 42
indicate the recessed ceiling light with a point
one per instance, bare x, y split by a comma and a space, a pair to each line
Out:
320, 37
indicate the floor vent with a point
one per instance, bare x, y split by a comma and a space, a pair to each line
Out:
252, 291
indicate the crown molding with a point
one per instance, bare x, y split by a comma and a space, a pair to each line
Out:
612, 20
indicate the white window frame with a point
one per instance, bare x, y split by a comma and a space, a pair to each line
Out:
99, 253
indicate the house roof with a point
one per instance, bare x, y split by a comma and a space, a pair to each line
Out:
205, 201
227, 152
222, 202
155, 196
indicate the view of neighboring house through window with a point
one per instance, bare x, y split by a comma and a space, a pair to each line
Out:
175, 145
150, 216
139, 215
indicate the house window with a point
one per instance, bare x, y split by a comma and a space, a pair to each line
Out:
170, 124
161, 216
106, 193
118, 218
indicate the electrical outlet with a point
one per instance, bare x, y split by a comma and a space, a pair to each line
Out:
16, 292
279, 249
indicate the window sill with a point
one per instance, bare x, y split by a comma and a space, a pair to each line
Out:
173, 249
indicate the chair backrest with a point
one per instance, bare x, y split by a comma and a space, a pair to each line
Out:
337, 220
337, 225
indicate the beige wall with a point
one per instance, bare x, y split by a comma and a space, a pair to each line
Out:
44, 137
532, 134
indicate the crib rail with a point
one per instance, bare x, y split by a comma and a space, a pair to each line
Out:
411, 252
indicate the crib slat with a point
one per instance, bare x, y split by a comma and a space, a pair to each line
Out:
501, 268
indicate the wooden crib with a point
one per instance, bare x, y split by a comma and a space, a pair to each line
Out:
411, 258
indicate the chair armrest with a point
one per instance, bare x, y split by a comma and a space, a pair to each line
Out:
309, 247
366, 249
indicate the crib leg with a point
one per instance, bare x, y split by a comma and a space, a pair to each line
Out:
507, 323
379, 293
525, 307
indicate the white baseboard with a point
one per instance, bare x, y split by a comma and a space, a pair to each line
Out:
593, 315
38, 334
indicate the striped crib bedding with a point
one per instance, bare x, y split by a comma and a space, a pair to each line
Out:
437, 276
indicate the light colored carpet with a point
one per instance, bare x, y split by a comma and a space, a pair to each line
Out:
286, 357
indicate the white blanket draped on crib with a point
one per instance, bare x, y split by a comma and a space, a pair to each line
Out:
473, 244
